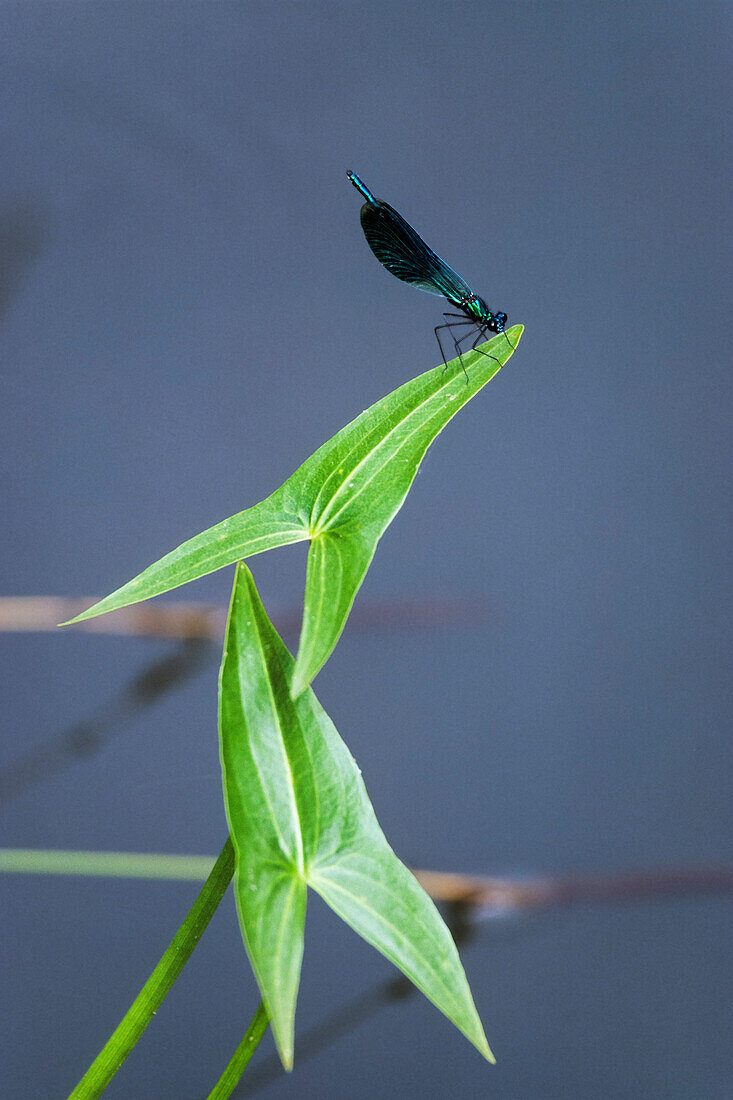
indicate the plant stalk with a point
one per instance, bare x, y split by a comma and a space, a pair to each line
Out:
226, 1084
146, 1004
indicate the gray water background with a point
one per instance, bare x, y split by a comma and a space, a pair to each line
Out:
187, 310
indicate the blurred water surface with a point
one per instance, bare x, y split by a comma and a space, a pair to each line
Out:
187, 309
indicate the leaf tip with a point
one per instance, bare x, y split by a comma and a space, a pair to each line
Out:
285, 1043
516, 331
485, 1049
88, 614
477, 1036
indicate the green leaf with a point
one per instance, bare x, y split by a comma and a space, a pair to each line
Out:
264, 526
299, 816
342, 498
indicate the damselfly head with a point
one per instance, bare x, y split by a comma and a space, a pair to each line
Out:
498, 322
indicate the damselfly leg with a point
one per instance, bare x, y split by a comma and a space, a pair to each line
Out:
486, 335
481, 334
450, 325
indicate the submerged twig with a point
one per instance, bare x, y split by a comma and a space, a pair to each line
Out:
27, 614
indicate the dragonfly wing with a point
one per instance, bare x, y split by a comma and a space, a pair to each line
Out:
404, 253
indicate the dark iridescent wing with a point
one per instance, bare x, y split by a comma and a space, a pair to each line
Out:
404, 253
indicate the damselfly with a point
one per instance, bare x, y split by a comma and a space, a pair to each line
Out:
404, 253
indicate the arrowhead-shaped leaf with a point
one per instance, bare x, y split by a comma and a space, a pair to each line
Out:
299, 816
342, 498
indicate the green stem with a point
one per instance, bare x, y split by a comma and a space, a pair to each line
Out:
238, 1061
151, 996
54, 861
